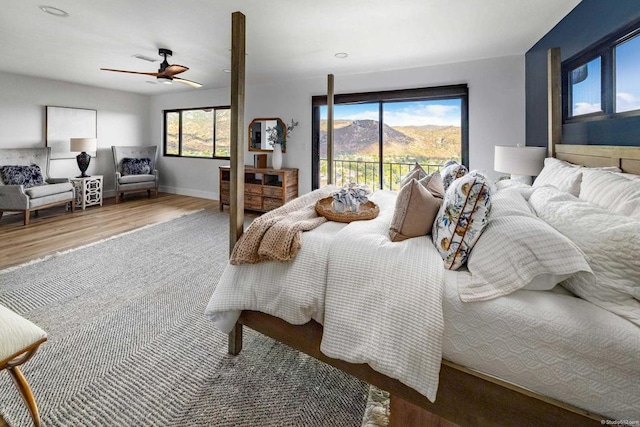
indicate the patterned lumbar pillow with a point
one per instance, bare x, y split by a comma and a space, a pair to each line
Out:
461, 219
452, 171
136, 166
29, 176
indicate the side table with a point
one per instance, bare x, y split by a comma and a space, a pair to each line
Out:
88, 190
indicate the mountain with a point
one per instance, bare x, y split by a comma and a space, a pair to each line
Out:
360, 138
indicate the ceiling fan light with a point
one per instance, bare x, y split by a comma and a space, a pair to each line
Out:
165, 80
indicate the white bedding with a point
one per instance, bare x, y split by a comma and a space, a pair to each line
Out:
293, 291
552, 343
354, 300
555, 344
384, 302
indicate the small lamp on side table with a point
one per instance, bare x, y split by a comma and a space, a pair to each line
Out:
521, 162
83, 145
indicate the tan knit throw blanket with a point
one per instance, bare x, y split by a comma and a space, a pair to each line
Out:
277, 235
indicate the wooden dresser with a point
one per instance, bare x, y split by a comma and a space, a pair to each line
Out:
264, 188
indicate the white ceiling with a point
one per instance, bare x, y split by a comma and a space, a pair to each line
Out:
285, 38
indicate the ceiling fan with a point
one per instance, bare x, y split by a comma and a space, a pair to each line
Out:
166, 73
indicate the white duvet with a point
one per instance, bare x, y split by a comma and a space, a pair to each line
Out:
372, 296
340, 279
384, 302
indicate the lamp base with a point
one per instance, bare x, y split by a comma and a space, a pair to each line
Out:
525, 179
83, 160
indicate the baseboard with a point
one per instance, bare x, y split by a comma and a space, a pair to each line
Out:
189, 192
176, 190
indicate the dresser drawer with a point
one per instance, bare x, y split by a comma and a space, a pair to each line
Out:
225, 186
270, 204
252, 201
272, 191
253, 189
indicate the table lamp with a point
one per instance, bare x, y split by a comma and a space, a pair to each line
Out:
83, 145
521, 162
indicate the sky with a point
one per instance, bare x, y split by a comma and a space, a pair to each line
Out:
586, 94
408, 113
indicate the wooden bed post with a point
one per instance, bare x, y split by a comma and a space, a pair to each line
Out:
554, 99
236, 202
330, 129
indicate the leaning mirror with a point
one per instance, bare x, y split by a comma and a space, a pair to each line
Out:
258, 140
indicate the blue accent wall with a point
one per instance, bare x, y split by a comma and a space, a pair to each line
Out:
586, 24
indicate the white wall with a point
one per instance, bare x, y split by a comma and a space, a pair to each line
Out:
496, 114
123, 119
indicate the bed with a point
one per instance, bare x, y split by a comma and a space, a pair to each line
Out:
483, 377
496, 353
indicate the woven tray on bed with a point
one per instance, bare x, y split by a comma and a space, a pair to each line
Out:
368, 210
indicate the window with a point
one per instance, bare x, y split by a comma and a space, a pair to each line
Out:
198, 132
602, 81
379, 136
586, 89
627, 56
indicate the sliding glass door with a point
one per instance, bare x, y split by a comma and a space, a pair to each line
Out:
376, 143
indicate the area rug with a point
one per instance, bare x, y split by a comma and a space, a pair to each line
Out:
129, 344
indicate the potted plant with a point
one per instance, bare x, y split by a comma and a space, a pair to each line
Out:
277, 138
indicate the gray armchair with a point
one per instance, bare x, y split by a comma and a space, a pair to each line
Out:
21, 198
133, 172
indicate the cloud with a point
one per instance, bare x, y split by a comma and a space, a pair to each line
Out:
627, 102
580, 108
431, 114
362, 115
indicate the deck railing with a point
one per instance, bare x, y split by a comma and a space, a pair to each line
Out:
368, 172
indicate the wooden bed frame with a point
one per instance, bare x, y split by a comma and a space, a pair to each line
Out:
465, 397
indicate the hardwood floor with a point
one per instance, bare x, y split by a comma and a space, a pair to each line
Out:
55, 230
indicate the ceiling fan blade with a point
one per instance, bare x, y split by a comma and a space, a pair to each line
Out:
187, 82
130, 72
174, 69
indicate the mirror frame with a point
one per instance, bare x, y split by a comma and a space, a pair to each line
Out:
250, 133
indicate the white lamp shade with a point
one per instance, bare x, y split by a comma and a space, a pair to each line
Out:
519, 160
83, 144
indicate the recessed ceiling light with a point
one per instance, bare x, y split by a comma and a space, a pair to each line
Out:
341, 55
54, 11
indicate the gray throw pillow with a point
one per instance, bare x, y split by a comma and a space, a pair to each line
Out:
29, 176
132, 166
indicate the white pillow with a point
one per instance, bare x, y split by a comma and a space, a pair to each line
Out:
564, 175
612, 191
609, 240
517, 250
560, 174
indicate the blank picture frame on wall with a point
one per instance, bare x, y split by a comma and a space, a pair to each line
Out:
64, 123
